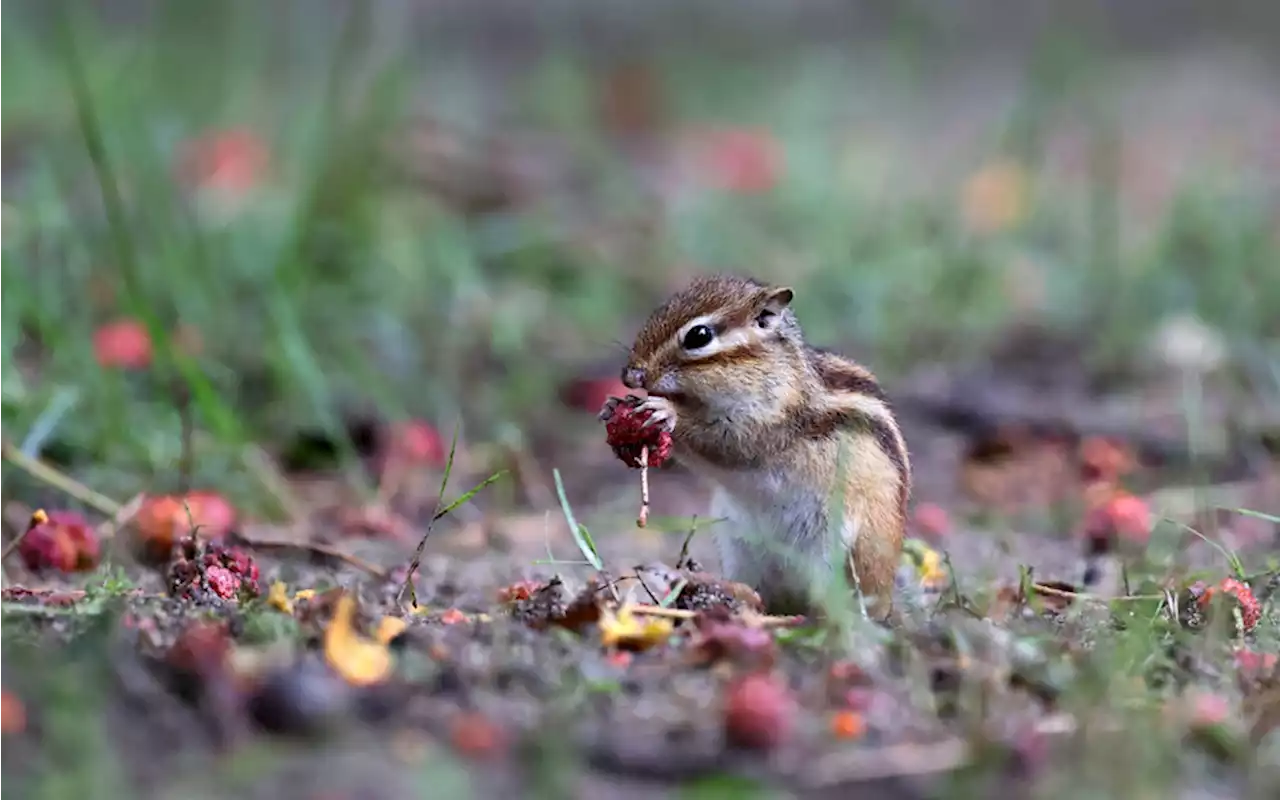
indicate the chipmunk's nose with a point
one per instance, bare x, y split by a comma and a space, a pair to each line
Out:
633, 377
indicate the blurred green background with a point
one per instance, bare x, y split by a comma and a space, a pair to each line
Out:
449, 210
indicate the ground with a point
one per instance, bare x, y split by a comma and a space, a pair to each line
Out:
285, 283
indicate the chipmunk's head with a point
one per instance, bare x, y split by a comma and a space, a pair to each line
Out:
719, 336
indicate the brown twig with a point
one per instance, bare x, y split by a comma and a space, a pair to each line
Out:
58, 480
763, 621
1042, 589
643, 519
317, 549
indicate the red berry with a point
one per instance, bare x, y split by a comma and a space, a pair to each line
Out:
626, 434
418, 442
232, 160
739, 160
1121, 516
932, 519
1250, 608
759, 712
124, 344
64, 542
222, 582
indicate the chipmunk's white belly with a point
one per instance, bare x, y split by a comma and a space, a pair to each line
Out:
775, 535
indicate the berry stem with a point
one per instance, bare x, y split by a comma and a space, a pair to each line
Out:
643, 519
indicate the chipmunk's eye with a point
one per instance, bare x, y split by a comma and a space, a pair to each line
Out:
697, 337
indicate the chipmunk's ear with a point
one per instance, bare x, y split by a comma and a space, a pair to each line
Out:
773, 303
777, 299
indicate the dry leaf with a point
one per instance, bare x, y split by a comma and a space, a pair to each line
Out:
627, 631
926, 563
358, 660
389, 628
278, 598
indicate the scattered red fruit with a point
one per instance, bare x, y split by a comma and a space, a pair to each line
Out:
739, 160
722, 639
860, 698
201, 649
417, 442
518, 591
759, 712
627, 435
162, 519
1250, 608
123, 344
475, 736
1253, 665
232, 160
1121, 516
1105, 459
452, 616
619, 658
932, 520
212, 571
13, 714
1209, 709
63, 541
848, 725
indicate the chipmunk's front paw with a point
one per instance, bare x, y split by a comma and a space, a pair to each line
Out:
611, 405
662, 412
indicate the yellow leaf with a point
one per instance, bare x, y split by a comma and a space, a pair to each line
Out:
927, 563
389, 628
630, 631
304, 594
360, 661
278, 598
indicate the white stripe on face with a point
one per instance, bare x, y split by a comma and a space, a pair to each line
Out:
728, 340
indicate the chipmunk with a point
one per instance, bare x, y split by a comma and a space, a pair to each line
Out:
781, 430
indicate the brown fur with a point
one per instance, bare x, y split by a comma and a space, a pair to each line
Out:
770, 402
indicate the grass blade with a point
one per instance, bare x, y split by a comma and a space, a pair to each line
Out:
580, 534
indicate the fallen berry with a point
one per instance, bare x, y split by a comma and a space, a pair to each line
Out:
452, 616
474, 735
123, 344
13, 714
163, 519
759, 712
848, 725
1253, 665
932, 520
63, 541
738, 160
1121, 517
627, 435
212, 570
1250, 608
1104, 459
231, 160
416, 442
